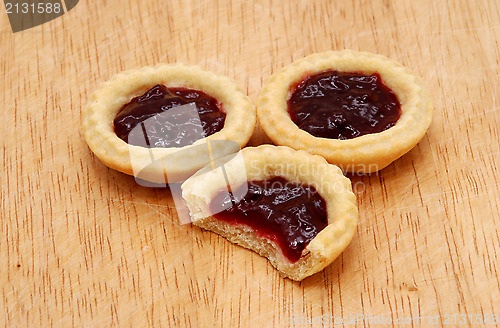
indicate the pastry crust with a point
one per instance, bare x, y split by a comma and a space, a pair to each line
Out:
364, 154
105, 103
265, 162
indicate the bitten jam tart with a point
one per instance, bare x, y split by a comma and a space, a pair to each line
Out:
157, 121
358, 110
289, 206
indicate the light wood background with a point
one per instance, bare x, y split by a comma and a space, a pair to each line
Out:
82, 245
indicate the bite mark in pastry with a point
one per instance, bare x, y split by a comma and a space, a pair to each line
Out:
289, 206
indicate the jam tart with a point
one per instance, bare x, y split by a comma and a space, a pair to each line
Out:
358, 110
163, 123
289, 206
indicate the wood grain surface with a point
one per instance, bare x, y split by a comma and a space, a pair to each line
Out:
83, 245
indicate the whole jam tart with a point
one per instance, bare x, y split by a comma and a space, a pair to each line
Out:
358, 110
156, 122
289, 206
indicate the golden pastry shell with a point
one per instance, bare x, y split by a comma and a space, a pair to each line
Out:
364, 154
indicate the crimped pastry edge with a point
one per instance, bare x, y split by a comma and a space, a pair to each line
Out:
107, 100
264, 162
364, 154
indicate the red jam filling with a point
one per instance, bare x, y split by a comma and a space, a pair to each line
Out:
339, 105
177, 130
290, 214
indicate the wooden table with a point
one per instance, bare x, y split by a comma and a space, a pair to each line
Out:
82, 245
